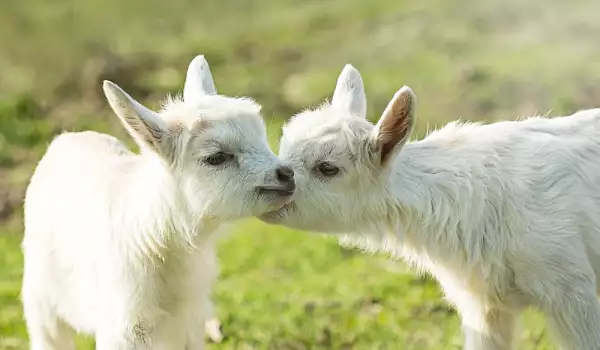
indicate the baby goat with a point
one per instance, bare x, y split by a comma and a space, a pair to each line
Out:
120, 245
505, 215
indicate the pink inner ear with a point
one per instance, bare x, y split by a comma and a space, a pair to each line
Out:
395, 126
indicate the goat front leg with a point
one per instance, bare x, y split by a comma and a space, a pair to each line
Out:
120, 333
110, 338
48, 333
487, 328
575, 319
195, 342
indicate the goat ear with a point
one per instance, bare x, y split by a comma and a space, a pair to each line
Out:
349, 92
199, 80
395, 125
144, 125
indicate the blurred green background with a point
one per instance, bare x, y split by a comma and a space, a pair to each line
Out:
283, 289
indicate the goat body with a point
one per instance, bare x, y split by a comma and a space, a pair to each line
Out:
504, 215
120, 245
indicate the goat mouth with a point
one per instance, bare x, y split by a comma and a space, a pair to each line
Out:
277, 215
276, 190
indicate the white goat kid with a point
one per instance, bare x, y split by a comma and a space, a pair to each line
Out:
505, 215
120, 245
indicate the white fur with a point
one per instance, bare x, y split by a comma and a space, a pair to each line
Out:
505, 215
120, 245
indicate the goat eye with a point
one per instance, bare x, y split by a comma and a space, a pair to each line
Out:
328, 169
217, 158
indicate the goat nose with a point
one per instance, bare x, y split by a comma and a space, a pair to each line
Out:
285, 173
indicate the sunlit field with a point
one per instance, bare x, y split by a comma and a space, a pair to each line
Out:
477, 60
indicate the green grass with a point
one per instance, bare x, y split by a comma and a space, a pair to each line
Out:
283, 289
280, 289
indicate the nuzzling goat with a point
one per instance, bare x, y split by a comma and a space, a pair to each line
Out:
504, 215
120, 245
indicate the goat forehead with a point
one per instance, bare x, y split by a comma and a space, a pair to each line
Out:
210, 107
312, 135
230, 134
242, 124
313, 122
322, 122
328, 147
339, 136
249, 134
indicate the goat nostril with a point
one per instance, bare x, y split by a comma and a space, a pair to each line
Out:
285, 173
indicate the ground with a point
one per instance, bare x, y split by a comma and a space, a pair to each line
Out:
478, 60
283, 289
